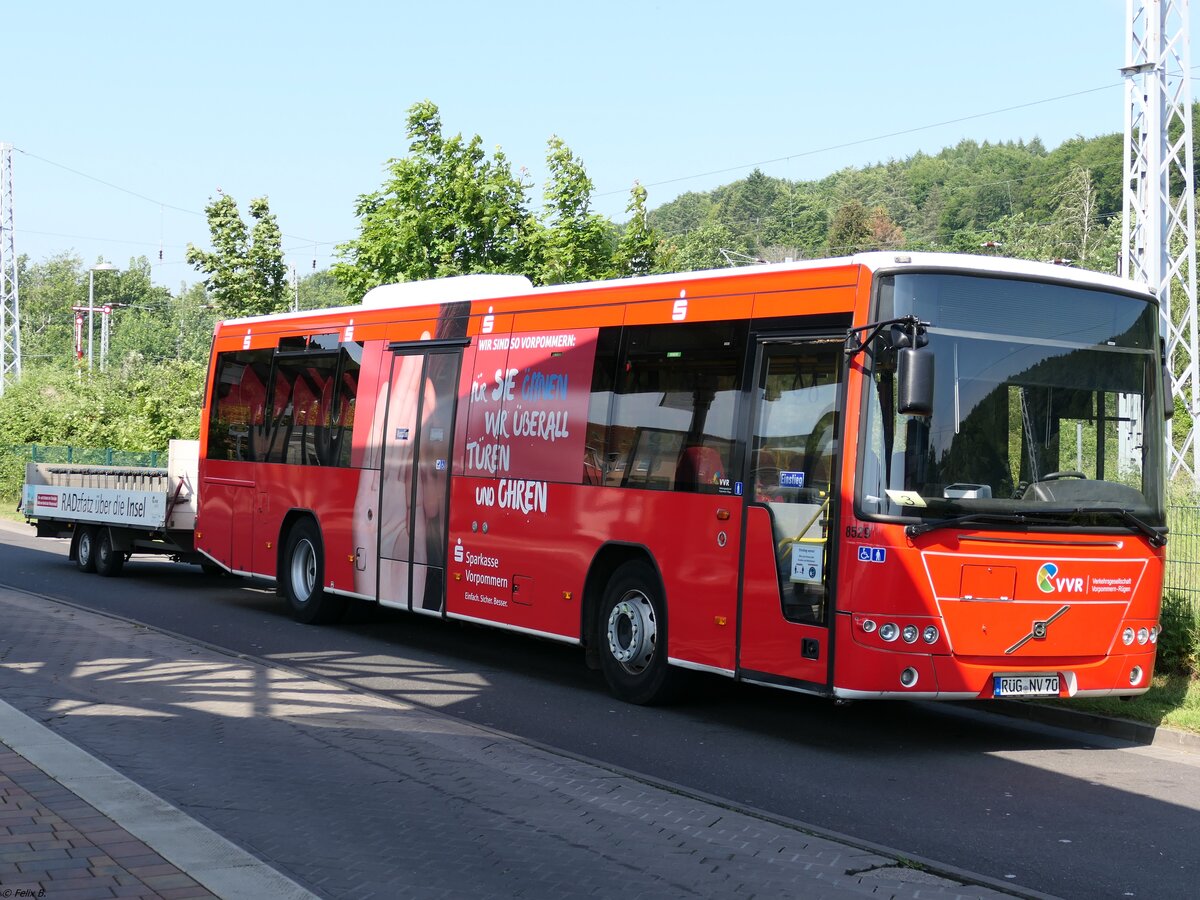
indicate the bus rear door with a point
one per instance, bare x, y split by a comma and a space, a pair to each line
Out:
791, 448
415, 489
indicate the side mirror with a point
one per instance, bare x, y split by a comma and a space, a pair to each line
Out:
1168, 383
1168, 389
914, 376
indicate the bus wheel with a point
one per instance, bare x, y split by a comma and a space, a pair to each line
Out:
303, 575
633, 637
85, 549
109, 560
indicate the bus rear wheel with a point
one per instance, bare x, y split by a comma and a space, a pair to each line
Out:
85, 549
303, 577
633, 637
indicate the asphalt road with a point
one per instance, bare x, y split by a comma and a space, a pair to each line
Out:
1070, 815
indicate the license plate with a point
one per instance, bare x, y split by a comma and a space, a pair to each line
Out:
1044, 685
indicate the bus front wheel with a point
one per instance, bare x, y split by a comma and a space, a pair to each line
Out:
633, 637
303, 576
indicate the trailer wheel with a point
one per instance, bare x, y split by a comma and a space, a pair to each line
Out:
303, 575
633, 637
109, 560
85, 549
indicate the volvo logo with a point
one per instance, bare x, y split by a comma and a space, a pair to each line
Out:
1037, 632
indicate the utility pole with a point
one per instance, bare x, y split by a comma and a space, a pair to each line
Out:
105, 318
1159, 211
91, 307
10, 306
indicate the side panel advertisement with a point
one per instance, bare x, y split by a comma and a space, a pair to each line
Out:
529, 401
523, 438
146, 509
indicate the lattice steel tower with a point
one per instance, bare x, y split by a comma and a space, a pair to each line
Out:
1159, 222
10, 307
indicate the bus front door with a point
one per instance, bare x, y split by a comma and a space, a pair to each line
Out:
791, 450
415, 471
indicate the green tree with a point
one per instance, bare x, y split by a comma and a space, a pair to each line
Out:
48, 291
142, 318
573, 244
1071, 231
746, 208
321, 290
245, 273
850, 230
702, 249
445, 209
685, 213
638, 251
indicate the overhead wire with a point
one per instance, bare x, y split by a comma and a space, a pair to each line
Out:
868, 140
159, 203
308, 242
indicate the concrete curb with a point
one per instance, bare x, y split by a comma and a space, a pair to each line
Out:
1092, 723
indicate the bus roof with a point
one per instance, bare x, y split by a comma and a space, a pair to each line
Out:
491, 286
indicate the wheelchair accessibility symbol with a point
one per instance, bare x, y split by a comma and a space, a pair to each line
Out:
872, 554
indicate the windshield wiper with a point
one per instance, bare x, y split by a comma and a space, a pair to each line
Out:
992, 518
1156, 536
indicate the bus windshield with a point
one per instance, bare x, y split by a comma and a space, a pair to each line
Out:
1047, 406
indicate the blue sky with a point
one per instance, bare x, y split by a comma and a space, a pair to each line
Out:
128, 116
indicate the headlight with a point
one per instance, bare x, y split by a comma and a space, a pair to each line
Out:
930, 635
889, 631
868, 625
1143, 635
1127, 636
910, 634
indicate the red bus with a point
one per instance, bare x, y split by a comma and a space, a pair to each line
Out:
921, 475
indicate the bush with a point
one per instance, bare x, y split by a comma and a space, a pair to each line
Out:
1179, 643
12, 473
135, 407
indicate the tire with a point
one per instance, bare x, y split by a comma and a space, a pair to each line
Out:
109, 560
303, 574
633, 637
85, 549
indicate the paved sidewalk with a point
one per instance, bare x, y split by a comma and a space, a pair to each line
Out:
52, 844
240, 779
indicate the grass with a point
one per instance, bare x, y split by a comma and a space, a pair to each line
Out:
1173, 700
8, 509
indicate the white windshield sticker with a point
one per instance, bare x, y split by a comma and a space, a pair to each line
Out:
906, 498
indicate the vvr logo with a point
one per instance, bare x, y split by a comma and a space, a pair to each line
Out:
1048, 581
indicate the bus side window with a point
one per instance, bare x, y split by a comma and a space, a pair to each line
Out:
700, 469
239, 398
599, 451
673, 413
301, 405
342, 424
335, 421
